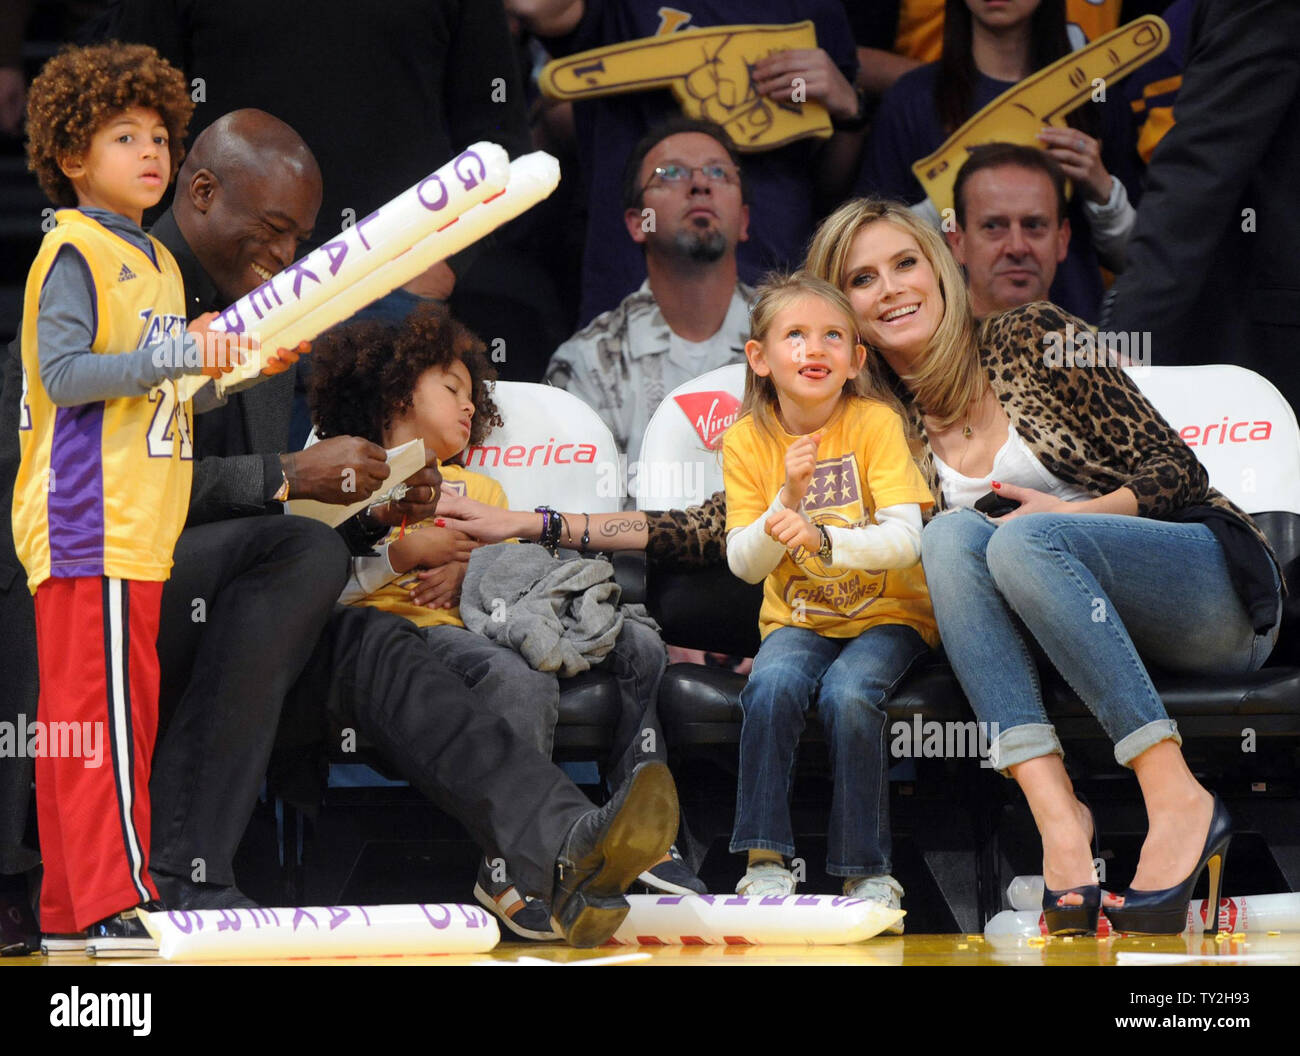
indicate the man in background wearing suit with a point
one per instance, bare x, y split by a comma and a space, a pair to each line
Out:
1213, 271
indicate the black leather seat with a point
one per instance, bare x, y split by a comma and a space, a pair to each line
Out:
714, 611
700, 710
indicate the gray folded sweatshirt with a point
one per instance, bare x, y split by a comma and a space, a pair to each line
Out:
561, 616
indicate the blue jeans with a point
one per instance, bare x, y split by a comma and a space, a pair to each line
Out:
848, 680
1103, 595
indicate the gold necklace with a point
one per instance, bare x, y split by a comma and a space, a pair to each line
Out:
968, 430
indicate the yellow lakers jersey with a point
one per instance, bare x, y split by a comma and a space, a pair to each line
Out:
395, 597
862, 464
103, 487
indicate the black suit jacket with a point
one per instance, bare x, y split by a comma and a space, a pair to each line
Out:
237, 445
1210, 281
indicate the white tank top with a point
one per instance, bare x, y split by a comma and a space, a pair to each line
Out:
1014, 463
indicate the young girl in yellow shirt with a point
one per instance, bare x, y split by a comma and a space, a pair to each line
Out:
824, 505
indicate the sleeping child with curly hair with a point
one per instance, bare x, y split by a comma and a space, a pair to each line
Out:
429, 378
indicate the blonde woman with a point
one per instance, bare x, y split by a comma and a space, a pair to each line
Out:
1118, 554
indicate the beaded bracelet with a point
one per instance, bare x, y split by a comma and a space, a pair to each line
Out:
550, 535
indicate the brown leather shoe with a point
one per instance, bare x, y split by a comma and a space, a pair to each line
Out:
607, 849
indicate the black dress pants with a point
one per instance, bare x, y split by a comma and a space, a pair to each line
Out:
18, 671
242, 612
513, 800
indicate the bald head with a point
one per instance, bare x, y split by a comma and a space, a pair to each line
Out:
247, 196
248, 140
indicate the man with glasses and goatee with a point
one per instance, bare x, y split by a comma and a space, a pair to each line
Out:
685, 203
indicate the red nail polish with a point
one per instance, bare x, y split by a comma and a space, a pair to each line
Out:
995, 483
440, 522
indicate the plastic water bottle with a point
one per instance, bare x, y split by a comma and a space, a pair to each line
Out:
1252, 914
1014, 924
1026, 892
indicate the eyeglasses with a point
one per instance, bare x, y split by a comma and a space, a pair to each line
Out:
676, 174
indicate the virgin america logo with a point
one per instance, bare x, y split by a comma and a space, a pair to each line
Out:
710, 413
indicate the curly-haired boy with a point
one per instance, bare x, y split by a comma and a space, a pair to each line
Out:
104, 478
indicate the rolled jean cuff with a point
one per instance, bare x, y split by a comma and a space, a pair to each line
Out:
1137, 742
756, 844
1020, 743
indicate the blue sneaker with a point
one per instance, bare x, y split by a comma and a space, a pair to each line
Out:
529, 918
673, 876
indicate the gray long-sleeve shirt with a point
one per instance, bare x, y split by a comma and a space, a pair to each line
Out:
70, 372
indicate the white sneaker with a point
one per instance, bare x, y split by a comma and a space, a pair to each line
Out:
883, 889
766, 879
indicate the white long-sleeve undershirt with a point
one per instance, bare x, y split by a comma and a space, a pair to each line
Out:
894, 541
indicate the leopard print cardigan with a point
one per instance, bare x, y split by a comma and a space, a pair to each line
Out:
1089, 425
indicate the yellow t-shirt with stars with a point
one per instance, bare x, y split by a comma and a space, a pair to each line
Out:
863, 464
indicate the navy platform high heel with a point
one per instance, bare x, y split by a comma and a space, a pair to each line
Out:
1072, 920
1165, 912
1082, 918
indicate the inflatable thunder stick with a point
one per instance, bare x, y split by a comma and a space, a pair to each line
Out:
532, 178
321, 931
436, 201
708, 71
736, 920
1043, 98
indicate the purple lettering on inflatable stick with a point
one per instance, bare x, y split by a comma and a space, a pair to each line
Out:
844, 900
300, 269
182, 920
773, 900
432, 206
464, 167
336, 251
736, 900
364, 914
473, 917
668, 900
229, 921
338, 914
264, 293
708, 898
808, 900
298, 914
362, 223
230, 319
439, 924
260, 916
